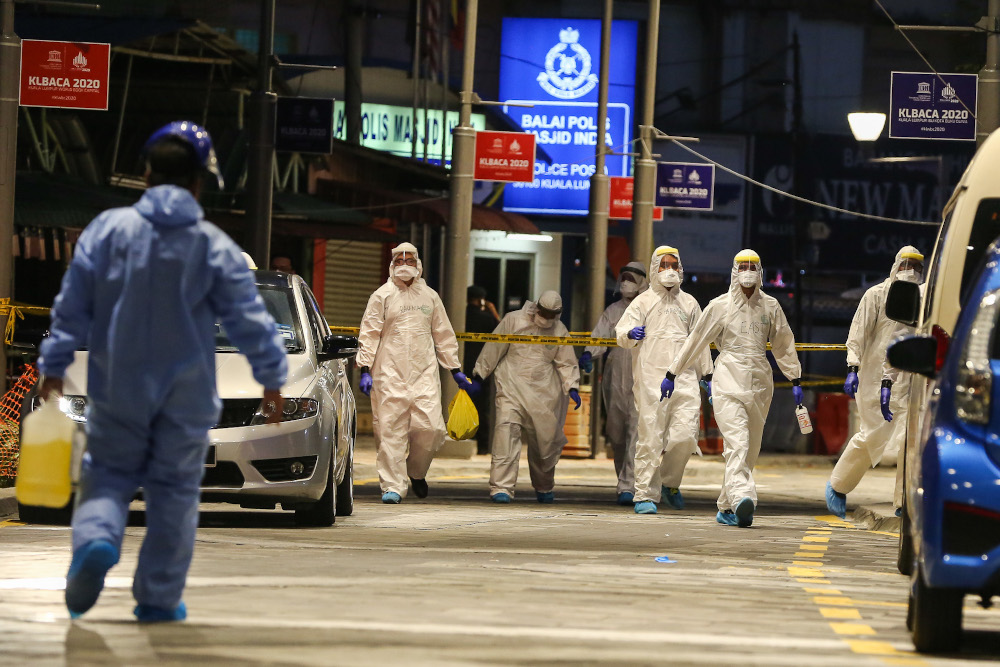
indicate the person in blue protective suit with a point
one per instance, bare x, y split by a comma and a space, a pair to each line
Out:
143, 293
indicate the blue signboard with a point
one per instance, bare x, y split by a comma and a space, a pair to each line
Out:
304, 125
685, 185
554, 64
922, 106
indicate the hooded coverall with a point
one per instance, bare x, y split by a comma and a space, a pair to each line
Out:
532, 383
143, 292
405, 334
668, 429
743, 383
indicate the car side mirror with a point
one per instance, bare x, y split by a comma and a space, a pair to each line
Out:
337, 347
902, 304
914, 354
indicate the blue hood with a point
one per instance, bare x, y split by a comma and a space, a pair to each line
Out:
169, 205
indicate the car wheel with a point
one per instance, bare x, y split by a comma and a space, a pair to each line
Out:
54, 516
345, 490
904, 553
324, 511
936, 616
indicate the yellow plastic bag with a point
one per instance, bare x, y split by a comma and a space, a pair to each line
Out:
463, 418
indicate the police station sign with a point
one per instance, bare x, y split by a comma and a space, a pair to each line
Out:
685, 186
922, 106
66, 75
553, 64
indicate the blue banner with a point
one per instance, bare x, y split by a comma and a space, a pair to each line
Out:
685, 185
554, 64
921, 106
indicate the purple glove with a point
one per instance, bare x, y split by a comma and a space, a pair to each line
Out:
637, 333
586, 362
460, 379
707, 386
475, 388
666, 387
797, 393
366, 384
884, 402
851, 383
575, 396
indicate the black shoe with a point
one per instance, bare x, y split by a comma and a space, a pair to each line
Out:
419, 487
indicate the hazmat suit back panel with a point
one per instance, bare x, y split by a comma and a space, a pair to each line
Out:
532, 382
667, 430
405, 330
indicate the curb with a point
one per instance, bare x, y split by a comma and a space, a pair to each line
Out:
8, 506
877, 517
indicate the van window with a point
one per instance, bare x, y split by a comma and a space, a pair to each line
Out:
985, 228
931, 268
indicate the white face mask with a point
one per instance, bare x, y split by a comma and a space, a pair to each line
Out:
405, 272
909, 276
629, 290
747, 278
669, 278
544, 322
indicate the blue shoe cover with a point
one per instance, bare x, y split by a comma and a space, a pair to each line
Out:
672, 498
744, 513
725, 518
545, 496
145, 613
645, 507
899, 511
500, 498
836, 502
625, 498
391, 498
85, 578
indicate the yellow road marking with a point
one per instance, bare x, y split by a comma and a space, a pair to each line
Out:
872, 647
807, 554
10, 522
808, 563
876, 603
852, 629
832, 600
815, 538
840, 612
813, 581
822, 591
813, 547
805, 572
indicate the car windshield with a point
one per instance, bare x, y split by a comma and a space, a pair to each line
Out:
280, 303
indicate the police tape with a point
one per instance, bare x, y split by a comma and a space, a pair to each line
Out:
14, 312
578, 339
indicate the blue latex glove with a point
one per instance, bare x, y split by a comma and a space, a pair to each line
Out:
475, 387
575, 396
587, 362
851, 384
884, 403
797, 393
366, 384
707, 386
666, 388
462, 381
637, 333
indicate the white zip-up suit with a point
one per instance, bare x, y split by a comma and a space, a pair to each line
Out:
404, 330
616, 387
532, 383
742, 384
668, 430
870, 335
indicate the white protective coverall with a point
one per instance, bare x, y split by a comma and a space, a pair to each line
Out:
405, 329
532, 383
871, 333
742, 384
616, 384
668, 429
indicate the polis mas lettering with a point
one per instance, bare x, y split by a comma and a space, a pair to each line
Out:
565, 130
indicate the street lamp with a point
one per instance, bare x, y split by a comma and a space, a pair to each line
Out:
866, 126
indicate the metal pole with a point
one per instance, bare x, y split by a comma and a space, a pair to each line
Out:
445, 67
644, 183
597, 245
988, 114
260, 157
456, 270
353, 72
10, 70
798, 185
121, 117
416, 78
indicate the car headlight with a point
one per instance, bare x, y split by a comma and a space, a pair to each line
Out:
74, 407
291, 409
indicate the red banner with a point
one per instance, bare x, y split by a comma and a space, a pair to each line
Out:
68, 75
620, 206
505, 156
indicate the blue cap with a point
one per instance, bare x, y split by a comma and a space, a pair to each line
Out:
197, 137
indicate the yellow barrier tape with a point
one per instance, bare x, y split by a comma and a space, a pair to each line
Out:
579, 339
16, 312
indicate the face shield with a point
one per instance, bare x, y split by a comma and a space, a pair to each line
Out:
548, 308
747, 269
405, 263
910, 267
631, 280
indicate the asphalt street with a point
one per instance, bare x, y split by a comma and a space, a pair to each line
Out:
456, 580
